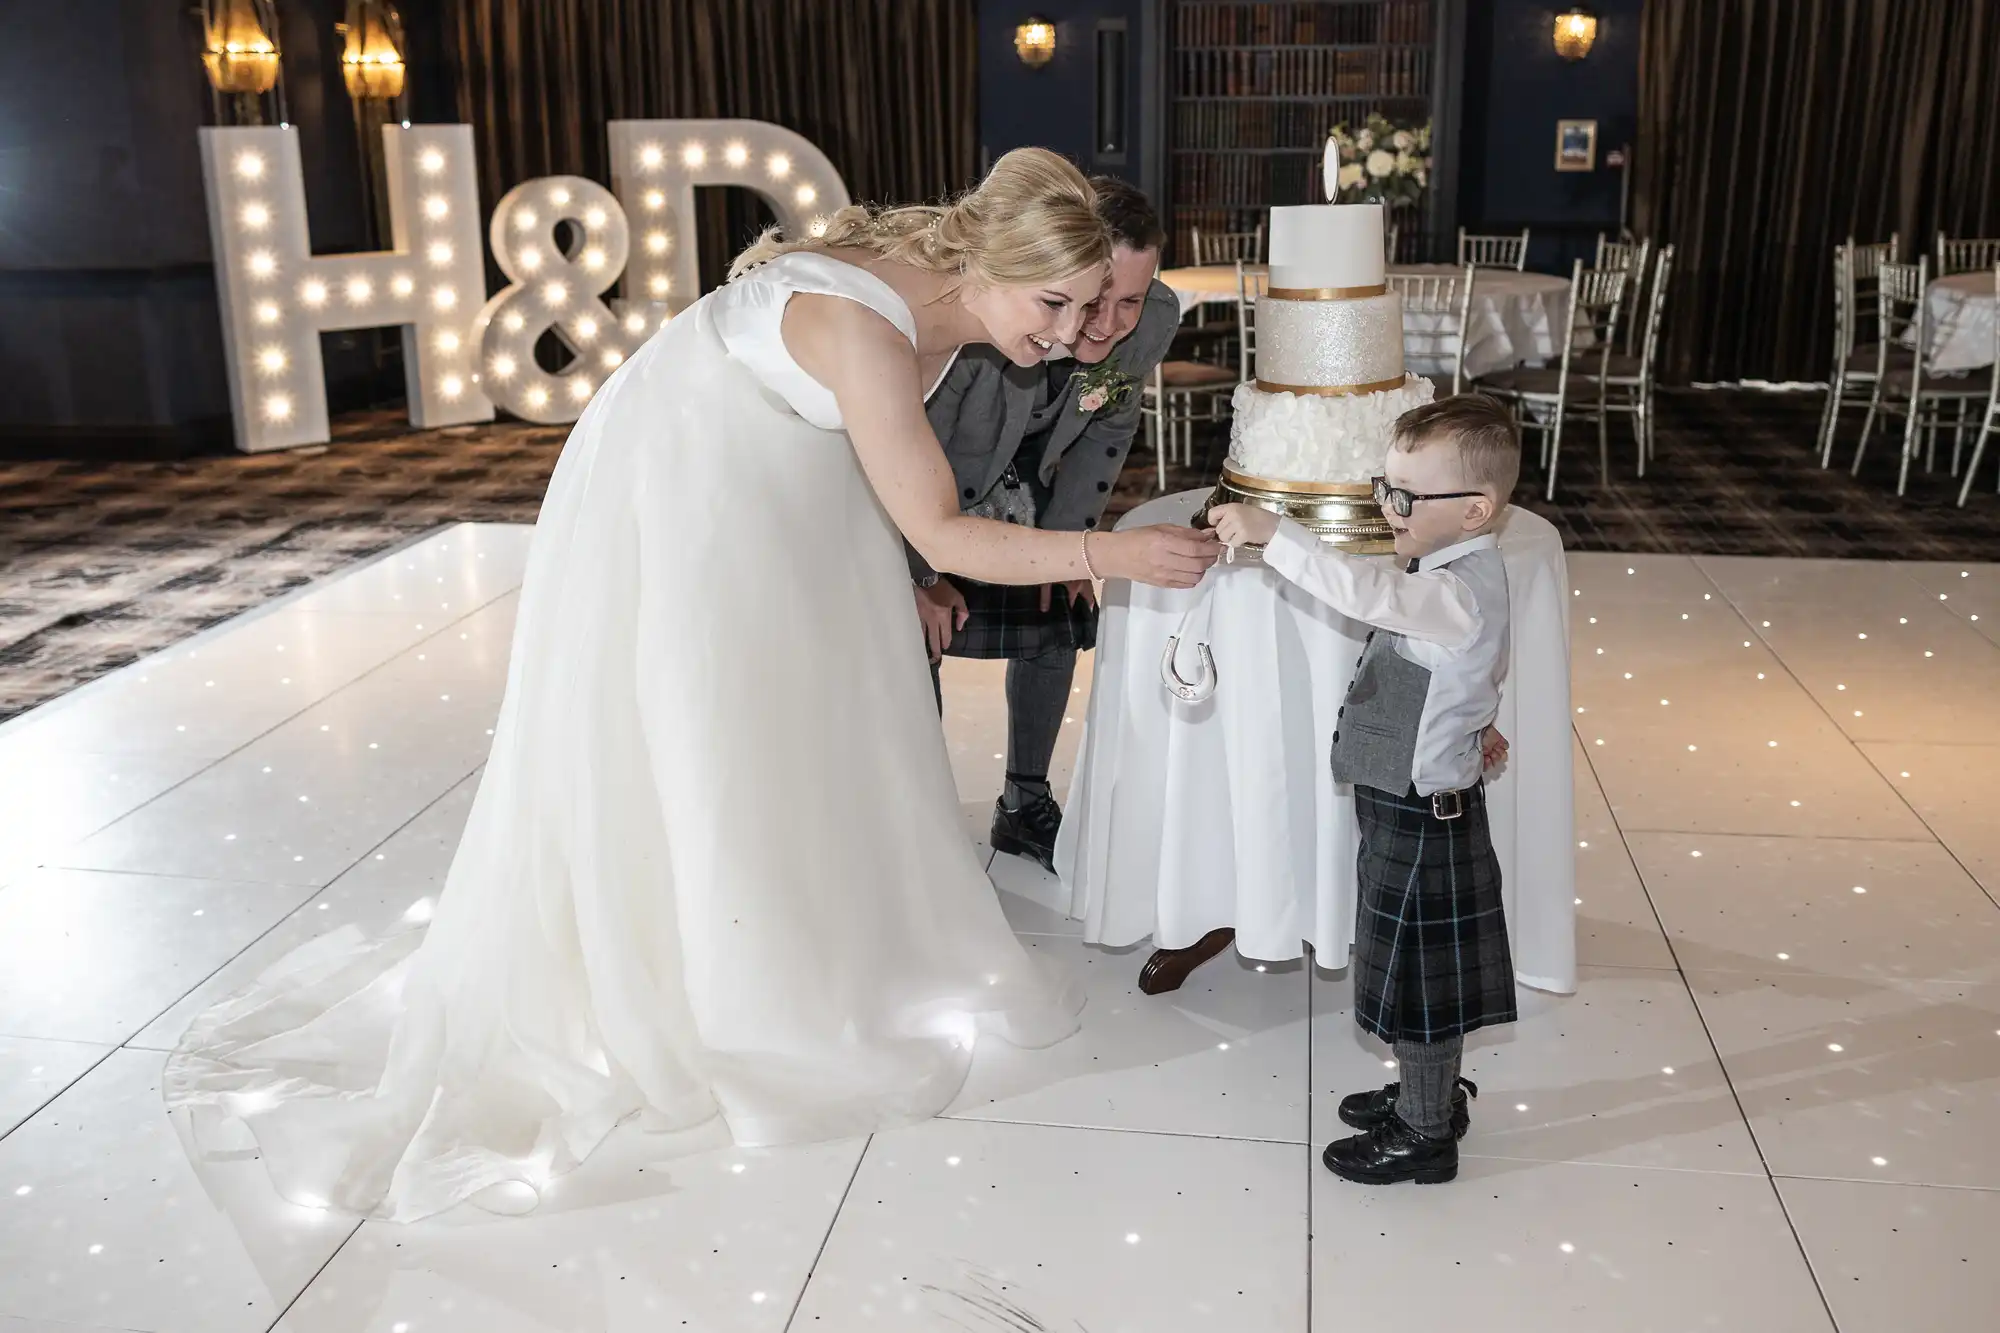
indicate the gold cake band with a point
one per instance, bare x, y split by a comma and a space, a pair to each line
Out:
1332, 390
1326, 293
1354, 488
1344, 515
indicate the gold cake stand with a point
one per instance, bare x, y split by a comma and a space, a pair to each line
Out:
1343, 515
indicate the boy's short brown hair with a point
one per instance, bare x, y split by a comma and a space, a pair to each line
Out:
1480, 428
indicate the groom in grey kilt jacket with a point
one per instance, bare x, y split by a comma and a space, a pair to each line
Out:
1044, 446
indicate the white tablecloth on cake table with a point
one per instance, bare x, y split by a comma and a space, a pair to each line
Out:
1516, 318
1184, 818
1961, 312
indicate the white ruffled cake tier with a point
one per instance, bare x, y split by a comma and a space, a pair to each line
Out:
1341, 438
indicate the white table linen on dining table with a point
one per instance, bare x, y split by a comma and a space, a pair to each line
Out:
1184, 818
1516, 318
1961, 311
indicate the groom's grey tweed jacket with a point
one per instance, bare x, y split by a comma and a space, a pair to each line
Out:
981, 414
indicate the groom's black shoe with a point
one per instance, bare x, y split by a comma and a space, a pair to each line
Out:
1392, 1153
1028, 830
1366, 1110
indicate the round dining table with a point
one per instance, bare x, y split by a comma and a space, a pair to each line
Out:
1515, 317
1961, 310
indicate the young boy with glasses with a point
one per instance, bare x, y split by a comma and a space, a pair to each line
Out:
1431, 961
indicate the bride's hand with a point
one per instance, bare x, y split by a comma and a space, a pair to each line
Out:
1163, 555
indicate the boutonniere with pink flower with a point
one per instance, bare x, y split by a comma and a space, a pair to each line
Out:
1103, 385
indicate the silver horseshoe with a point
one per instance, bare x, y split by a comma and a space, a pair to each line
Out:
1188, 691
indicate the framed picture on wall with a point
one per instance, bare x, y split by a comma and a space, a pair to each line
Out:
1576, 145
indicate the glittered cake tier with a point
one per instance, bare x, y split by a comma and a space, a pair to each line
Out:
1331, 345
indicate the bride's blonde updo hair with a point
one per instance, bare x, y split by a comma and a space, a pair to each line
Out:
1033, 220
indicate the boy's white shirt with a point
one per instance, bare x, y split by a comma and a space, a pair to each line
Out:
1431, 607
1440, 628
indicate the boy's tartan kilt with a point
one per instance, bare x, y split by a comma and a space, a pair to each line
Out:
1008, 622
1431, 960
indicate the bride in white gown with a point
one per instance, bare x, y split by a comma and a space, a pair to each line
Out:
716, 863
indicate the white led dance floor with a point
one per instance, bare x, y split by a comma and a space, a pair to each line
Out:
1773, 1105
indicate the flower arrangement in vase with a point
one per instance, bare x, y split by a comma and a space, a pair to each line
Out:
1378, 163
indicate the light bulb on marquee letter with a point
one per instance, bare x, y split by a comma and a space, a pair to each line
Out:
277, 297
783, 168
548, 291
460, 357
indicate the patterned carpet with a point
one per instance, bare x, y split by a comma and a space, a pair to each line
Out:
103, 563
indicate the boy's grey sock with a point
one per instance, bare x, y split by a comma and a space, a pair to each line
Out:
1429, 1071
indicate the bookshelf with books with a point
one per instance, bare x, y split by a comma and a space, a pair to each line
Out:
1256, 84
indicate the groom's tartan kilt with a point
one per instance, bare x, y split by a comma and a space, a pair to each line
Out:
1009, 622
1431, 960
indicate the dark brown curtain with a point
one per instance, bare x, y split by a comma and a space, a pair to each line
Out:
888, 89
1771, 130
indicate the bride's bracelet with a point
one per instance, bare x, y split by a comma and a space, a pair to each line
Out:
1086, 560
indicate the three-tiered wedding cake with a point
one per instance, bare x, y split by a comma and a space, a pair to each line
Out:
1313, 430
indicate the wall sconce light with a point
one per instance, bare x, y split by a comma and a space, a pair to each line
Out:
240, 47
1035, 42
372, 61
1576, 32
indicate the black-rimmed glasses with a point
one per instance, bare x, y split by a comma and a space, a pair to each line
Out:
1400, 502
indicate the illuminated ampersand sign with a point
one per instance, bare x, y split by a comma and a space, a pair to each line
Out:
553, 286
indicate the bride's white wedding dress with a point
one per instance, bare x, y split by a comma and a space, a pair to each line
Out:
716, 862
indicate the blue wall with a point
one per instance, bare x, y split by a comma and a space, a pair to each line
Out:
1517, 88
1055, 106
